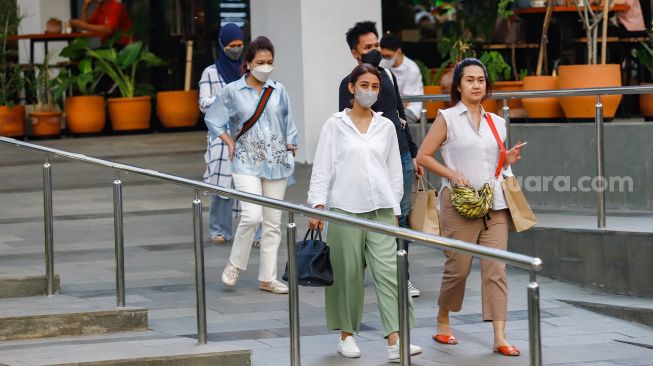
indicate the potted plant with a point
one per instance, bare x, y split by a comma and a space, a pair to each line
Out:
179, 108
131, 111
542, 108
46, 116
592, 74
453, 50
12, 115
85, 110
644, 55
431, 86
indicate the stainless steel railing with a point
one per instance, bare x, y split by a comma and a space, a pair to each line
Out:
598, 121
518, 260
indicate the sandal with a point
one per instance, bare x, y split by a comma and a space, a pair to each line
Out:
508, 350
445, 339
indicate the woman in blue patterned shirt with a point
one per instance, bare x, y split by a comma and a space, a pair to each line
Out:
262, 158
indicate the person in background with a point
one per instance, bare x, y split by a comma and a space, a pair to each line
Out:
262, 156
409, 77
472, 157
357, 168
226, 69
109, 17
363, 42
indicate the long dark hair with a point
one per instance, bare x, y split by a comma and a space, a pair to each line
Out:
261, 43
458, 76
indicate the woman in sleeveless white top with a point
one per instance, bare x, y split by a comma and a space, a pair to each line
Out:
471, 156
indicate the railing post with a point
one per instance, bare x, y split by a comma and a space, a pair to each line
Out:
600, 195
200, 292
506, 116
119, 238
423, 123
48, 220
404, 324
293, 297
534, 334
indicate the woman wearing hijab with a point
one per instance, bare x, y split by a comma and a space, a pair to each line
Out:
218, 166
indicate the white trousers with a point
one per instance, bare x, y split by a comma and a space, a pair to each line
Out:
252, 215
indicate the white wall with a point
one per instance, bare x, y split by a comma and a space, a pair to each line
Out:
311, 55
37, 14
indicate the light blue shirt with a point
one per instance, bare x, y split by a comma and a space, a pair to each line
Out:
261, 151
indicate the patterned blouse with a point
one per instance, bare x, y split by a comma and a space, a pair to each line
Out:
261, 151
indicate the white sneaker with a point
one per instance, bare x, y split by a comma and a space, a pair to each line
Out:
412, 290
230, 275
348, 348
276, 287
393, 352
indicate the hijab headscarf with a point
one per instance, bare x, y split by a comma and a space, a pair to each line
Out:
229, 69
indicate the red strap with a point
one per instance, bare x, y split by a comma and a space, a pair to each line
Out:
502, 158
257, 113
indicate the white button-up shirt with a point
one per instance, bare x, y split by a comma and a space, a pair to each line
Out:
474, 154
357, 172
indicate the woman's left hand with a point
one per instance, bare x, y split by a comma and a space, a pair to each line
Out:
514, 155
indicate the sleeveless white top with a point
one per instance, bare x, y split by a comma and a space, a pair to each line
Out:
474, 154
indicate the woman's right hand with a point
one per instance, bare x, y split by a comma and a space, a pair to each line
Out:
458, 180
316, 224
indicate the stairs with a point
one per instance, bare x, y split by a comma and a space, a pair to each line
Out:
66, 330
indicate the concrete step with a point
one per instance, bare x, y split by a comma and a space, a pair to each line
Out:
129, 349
37, 317
25, 286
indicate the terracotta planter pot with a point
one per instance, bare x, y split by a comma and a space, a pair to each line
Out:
46, 123
129, 114
177, 108
12, 121
646, 104
515, 105
491, 105
432, 107
589, 76
542, 107
85, 114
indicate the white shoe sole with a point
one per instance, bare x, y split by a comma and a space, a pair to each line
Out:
350, 354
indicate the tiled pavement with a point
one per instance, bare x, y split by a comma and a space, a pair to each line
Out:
160, 271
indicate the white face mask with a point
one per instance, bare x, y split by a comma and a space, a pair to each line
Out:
365, 98
262, 72
387, 63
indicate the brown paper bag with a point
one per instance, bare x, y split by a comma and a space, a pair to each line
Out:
522, 217
424, 212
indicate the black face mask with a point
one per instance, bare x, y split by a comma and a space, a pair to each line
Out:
373, 57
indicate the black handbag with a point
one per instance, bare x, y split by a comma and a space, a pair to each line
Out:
313, 262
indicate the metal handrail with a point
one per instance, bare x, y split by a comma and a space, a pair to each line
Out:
636, 89
598, 121
518, 260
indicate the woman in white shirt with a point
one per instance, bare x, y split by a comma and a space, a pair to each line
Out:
357, 171
472, 157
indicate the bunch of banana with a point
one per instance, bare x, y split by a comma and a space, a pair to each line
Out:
469, 202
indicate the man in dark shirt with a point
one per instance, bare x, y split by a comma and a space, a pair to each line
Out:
363, 41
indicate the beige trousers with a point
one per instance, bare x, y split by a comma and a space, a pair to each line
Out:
492, 232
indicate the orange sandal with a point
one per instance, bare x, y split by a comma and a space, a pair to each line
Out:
445, 339
507, 350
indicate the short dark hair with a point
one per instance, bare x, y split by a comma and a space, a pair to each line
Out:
261, 43
363, 69
391, 42
359, 29
458, 76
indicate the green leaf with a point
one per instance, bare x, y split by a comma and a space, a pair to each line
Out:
105, 54
151, 59
85, 66
129, 54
